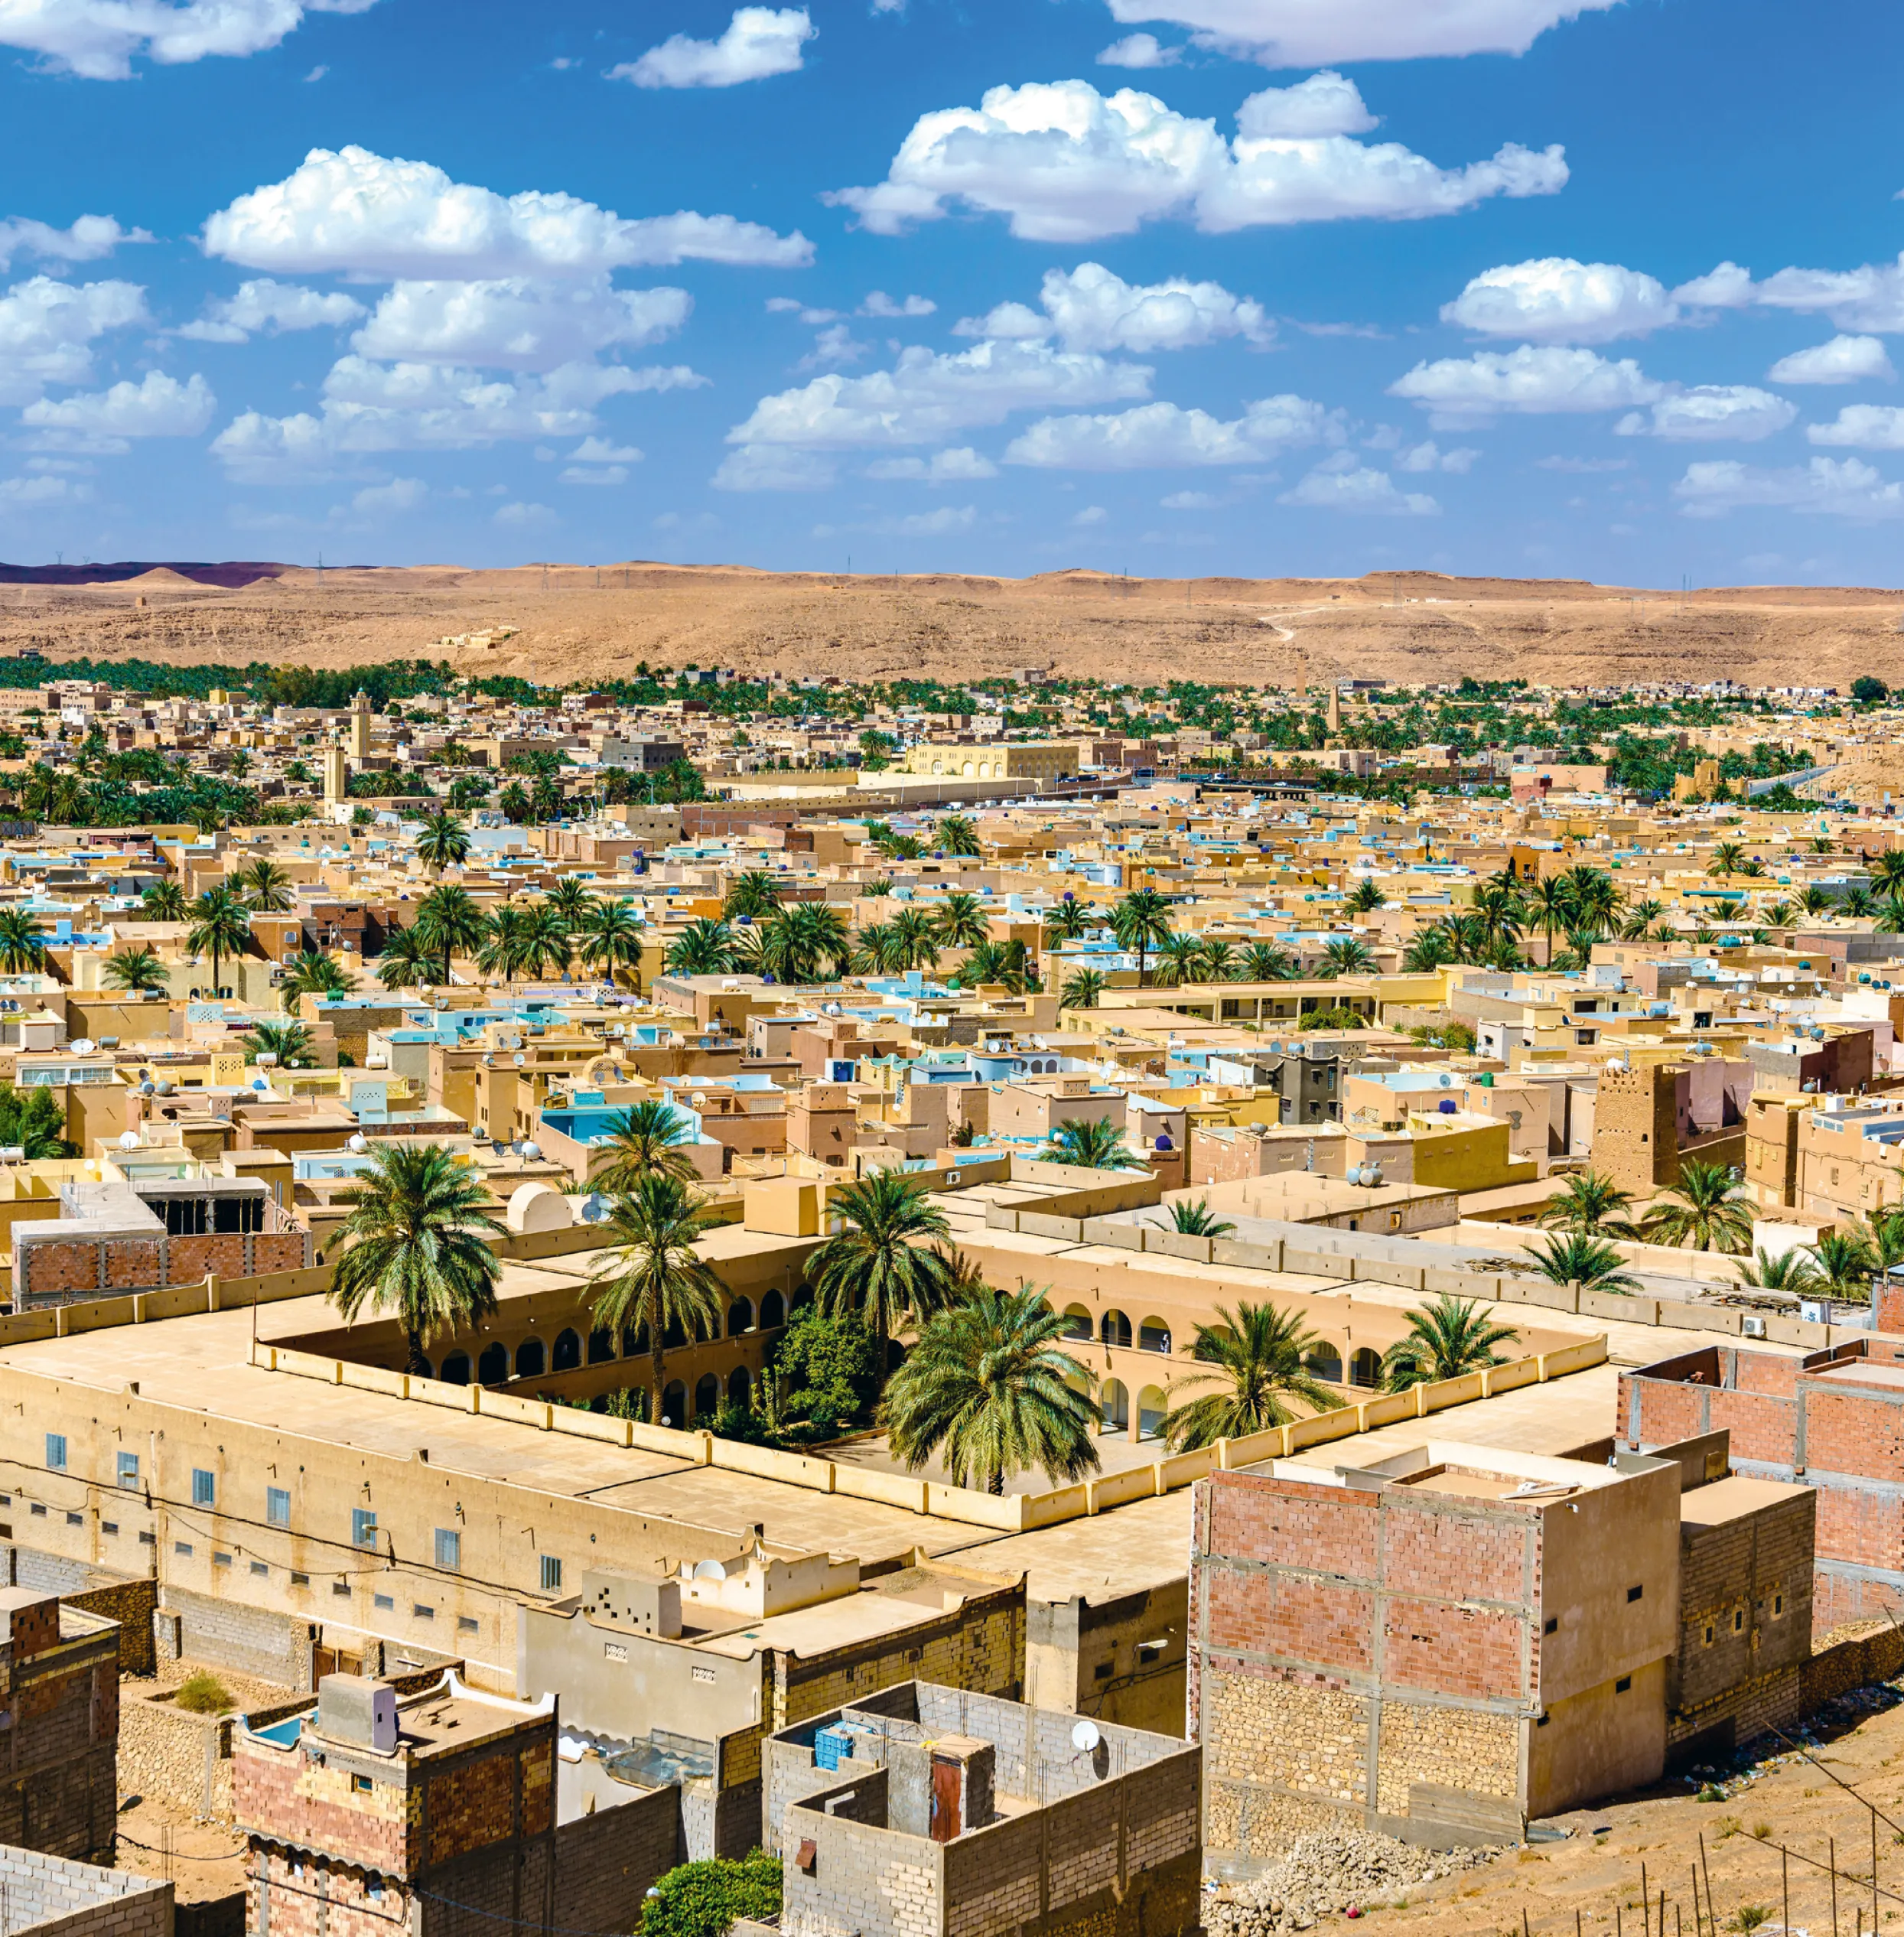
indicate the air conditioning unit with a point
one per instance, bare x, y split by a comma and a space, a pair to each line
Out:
1752, 1326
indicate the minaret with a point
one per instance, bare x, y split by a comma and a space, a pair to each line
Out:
360, 725
1335, 709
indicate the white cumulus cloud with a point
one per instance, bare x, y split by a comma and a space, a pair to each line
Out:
1429, 457
1066, 164
1837, 488
937, 524
1091, 308
1161, 436
353, 213
959, 465
1528, 381
381, 500
1845, 360
1325, 104
516, 323
760, 42
85, 240
1341, 484
158, 405
1308, 33
773, 467
32, 492
264, 305
878, 303
1862, 427
47, 329
99, 39
1869, 297
1555, 299
1735, 412
523, 516
1139, 51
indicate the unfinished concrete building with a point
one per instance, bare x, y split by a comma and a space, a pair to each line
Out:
59, 1751
929, 1811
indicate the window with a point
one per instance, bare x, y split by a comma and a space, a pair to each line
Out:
373, 1889
75, 1519
1777, 1606
449, 1549
468, 1624
384, 1603
421, 1612
276, 1506
1634, 1593
221, 1560
360, 1784
301, 1580
341, 1588
184, 1546
1625, 1682
204, 1488
551, 1574
1738, 1620
109, 1526
1709, 1632
56, 1451
128, 1469
1551, 1625
148, 1538
259, 1567
37, 1509
363, 1527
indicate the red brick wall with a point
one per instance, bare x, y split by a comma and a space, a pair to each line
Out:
1457, 1650
189, 1259
1322, 1623
1453, 1556
1762, 1428
1278, 1522
1848, 1432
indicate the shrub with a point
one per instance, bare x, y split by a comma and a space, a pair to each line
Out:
702, 1899
203, 1694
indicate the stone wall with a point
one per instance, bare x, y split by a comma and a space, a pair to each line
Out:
169, 1755
50, 1896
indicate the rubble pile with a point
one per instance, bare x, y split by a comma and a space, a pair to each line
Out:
1326, 1872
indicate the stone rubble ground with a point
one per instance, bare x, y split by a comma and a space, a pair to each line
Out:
1326, 1872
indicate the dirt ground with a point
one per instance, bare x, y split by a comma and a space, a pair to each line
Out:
1776, 1798
578, 622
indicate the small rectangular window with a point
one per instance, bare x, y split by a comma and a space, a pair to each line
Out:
1625, 1682
221, 1560
56, 1451
301, 1580
204, 1487
363, 1527
468, 1624
360, 1784
184, 1546
341, 1588
551, 1574
1777, 1606
373, 1889
259, 1567
37, 1509
421, 1612
384, 1602
449, 1549
128, 1469
1551, 1625
75, 1519
109, 1526
1633, 1594
1710, 1631
1738, 1620
276, 1506
148, 1538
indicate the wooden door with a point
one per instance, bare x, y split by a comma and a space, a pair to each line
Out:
945, 1817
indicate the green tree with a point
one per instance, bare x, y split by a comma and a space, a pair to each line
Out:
263, 887
138, 971
313, 972
610, 938
447, 921
1267, 962
1792, 1271
885, 1262
1180, 960
960, 922
444, 842
164, 901
1092, 1143
1868, 690
1256, 1358
989, 1390
1081, 989
1593, 1204
1576, 1259
572, 901
1445, 1339
754, 894
32, 1120
221, 927
1141, 921
1198, 1220
1344, 956
702, 948
706, 1898
1067, 919
289, 1042
1364, 898
508, 946
1706, 1209
828, 1370
649, 1136
957, 834
1846, 1264
406, 961
654, 1277
419, 1242
1001, 964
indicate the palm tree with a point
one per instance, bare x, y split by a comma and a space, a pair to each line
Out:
901, 847
1887, 872
1814, 900
421, 1243
1267, 962
1578, 1259
1792, 1272
1256, 1357
753, 894
1444, 1340
1549, 902
611, 937
221, 926
1706, 1209
703, 948
1847, 1264
1003, 964
507, 948
1593, 1206
1179, 959
957, 834
1428, 950
1198, 1220
23, 941
406, 961
1344, 956
1068, 920
1141, 921
1781, 914
263, 887
1219, 963
447, 920
961, 921
989, 1387
289, 1042
1641, 916
885, 1260
1364, 898
648, 1136
879, 952
1726, 858
571, 899
1856, 903
164, 901
313, 972
444, 842
914, 942
546, 933
138, 971
1081, 989
656, 1279
1500, 908
1090, 1143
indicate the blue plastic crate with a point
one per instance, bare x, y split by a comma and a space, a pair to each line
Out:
831, 1747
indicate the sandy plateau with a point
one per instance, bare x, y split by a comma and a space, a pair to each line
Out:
576, 623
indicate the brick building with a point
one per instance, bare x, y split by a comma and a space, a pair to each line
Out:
928, 1811
59, 1759
440, 1812
62, 1898
1651, 1118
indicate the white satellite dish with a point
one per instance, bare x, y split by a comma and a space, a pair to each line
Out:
1085, 1737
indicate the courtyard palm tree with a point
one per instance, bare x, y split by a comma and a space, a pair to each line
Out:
1593, 1204
1003, 964
289, 1042
649, 1136
1428, 950
989, 1389
914, 942
1141, 921
957, 834
1267, 962
878, 951
263, 887
1092, 1143
1549, 905
1256, 1359
23, 941
753, 894
1792, 1272
1081, 989
1219, 963
313, 972
1179, 959
1579, 1259
1344, 956
221, 927
1641, 916
610, 936
546, 931
137, 971
444, 842
447, 921
1444, 1340
571, 898
1067, 920
1364, 898
654, 1276
1846, 1263
420, 1243
960, 922
1706, 1209
885, 1260
1726, 858
703, 948
1198, 1220
406, 961
1886, 872
164, 901
507, 948
1781, 914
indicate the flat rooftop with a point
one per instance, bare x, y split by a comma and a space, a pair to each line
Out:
1734, 1498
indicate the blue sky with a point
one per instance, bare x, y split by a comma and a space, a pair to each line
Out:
1609, 290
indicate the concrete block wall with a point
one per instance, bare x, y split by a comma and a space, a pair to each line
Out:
605, 1863
53, 1896
249, 1640
1745, 1600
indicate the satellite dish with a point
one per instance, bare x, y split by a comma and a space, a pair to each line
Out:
83, 1046
128, 1140
1085, 1737
359, 1143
